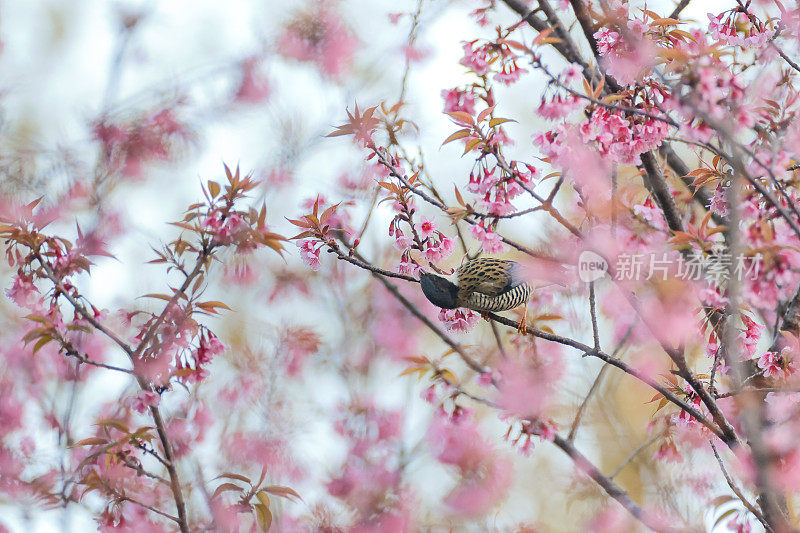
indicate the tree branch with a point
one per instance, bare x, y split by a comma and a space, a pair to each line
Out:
589, 351
610, 488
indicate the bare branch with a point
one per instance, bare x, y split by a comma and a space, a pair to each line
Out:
607, 484
737, 491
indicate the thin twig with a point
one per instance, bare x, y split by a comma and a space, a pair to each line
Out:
496, 333
750, 507
593, 313
596, 384
633, 455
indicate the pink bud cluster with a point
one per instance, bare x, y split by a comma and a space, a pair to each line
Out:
149, 138
623, 139
423, 236
724, 27
481, 59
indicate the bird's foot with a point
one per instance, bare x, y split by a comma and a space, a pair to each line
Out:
523, 323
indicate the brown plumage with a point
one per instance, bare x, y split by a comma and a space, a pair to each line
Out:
484, 284
489, 284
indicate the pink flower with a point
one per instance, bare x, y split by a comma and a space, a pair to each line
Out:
510, 73
415, 53
24, 293
254, 87
319, 36
574, 72
447, 246
143, 400
500, 204
299, 343
782, 406
408, 266
607, 40
719, 203
483, 182
475, 60
485, 476
484, 379
234, 229
212, 221
210, 345
751, 334
459, 100
526, 386
429, 394
402, 242
426, 228
491, 242
309, 253
668, 452
771, 364
458, 320
558, 107
440, 251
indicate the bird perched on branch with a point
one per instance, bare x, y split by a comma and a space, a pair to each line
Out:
484, 284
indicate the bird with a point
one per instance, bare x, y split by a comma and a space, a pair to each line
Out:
484, 284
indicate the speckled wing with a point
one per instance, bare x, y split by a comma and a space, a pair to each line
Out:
488, 284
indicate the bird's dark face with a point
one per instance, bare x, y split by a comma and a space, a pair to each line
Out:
438, 290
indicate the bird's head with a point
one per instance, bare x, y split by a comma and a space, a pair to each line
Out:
440, 291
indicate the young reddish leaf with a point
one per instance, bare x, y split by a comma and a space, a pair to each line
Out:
263, 498
460, 134
31, 206
462, 117
328, 212
459, 199
226, 487
41, 343
542, 36
264, 516
91, 441
472, 144
485, 113
724, 516
448, 376
212, 305
284, 492
300, 223
497, 121
231, 475
412, 370
115, 423
158, 296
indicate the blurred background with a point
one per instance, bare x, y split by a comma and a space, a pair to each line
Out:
115, 112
